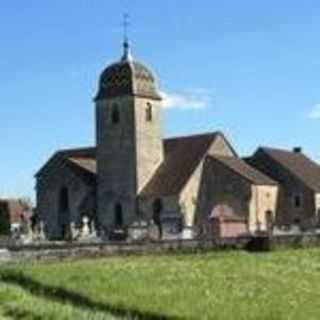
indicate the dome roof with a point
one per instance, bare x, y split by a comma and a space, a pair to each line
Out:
127, 77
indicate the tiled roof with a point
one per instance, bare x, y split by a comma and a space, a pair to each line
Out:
298, 164
182, 157
88, 152
88, 164
241, 168
77, 153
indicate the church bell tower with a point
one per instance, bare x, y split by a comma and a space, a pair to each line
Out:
128, 138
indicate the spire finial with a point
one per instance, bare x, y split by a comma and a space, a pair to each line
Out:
126, 47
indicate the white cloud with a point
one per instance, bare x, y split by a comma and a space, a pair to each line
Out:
315, 112
191, 100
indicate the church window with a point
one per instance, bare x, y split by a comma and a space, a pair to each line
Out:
64, 200
115, 117
118, 215
157, 209
297, 201
149, 112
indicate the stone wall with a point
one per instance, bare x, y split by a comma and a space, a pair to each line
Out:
263, 200
49, 189
290, 186
61, 251
56, 251
190, 195
128, 153
221, 187
116, 164
317, 205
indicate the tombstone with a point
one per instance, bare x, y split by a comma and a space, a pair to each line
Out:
93, 229
88, 232
138, 231
187, 233
85, 231
74, 231
153, 232
42, 235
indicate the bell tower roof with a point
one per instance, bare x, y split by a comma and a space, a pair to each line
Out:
127, 77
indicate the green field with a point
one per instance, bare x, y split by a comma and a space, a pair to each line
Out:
226, 285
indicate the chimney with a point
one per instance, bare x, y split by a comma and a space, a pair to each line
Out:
297, 150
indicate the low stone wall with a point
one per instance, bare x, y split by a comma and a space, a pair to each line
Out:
60, 251
53, 251
303, 240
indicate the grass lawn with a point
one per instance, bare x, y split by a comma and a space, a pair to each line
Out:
226, 285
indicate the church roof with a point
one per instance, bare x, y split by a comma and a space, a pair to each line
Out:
241, 168
88, 164
78, 157
182, 156
298, 164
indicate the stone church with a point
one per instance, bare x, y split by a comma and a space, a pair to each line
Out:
133, 174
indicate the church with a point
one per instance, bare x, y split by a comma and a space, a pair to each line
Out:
187, 185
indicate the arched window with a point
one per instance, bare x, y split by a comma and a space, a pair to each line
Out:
149, 112
297, 201
157, 209
118, 215
64, 200
115, 116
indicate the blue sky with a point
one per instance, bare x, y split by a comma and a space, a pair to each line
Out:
248, 68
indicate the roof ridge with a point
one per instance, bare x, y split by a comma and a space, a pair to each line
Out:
289, 161
196, 135
240, 172
76, 149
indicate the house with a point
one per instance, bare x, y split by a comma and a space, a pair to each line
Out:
15, 213
299, 180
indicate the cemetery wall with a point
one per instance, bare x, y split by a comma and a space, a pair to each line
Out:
53, 251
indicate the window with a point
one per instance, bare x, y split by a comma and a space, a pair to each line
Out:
118, 215
297, 201
157, 209
115, 117
64, 200
149, 112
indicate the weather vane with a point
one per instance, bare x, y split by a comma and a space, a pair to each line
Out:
125, 25
126, 47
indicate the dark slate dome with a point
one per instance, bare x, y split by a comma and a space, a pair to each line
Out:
127, 77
